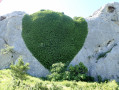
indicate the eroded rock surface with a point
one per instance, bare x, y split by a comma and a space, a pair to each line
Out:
10, 34
100, 52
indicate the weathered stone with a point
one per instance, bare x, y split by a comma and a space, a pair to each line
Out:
10, 34
2, 18
100, 52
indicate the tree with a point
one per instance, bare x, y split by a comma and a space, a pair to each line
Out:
19, 70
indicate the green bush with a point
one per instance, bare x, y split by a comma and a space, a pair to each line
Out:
53, 37
99, 78
40, 86
19, 70
59, 71
79, 73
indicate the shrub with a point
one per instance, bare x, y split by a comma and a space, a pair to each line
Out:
78, 69
99, 78
53, 37
56, 87
19, 70
40, 86
79, 73
59, 71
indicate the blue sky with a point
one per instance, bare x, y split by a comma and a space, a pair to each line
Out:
71, 8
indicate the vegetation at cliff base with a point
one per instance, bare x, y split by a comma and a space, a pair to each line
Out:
61, 71
53, 37
17, 79
7, 82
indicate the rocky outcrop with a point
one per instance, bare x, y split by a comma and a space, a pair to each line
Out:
100, 52
10, 35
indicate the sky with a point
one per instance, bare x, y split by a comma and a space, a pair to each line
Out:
72, 8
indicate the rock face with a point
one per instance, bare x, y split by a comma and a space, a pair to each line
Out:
10, 34
100, 52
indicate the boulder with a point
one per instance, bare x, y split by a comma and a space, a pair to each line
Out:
100, 52
10, 35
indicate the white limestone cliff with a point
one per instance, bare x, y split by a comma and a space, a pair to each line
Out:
10, 34
100, 52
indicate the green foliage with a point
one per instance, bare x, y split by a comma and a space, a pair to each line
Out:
58, 67
31, 83
53, 37
78, 69
40, 86
19, 70
7, 49
57, 71
76, 75
78, 72
99, 78
56, 87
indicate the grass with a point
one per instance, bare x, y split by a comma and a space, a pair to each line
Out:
8, 82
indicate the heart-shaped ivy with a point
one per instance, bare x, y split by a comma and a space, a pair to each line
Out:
53, 37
